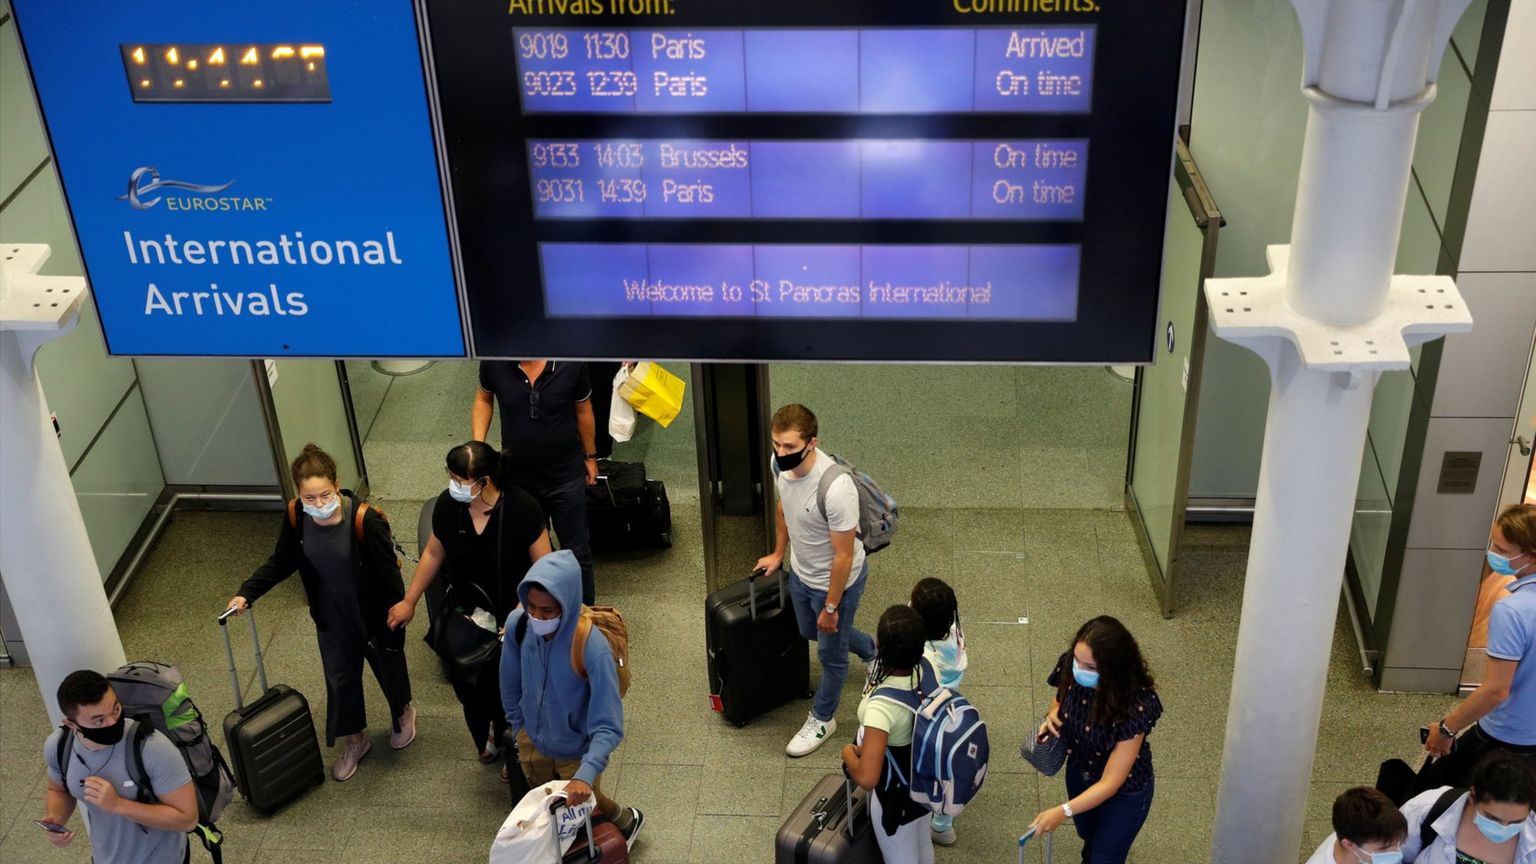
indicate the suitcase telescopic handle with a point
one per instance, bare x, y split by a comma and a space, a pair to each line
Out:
752, 589
848, 792
229, 653
1024, 838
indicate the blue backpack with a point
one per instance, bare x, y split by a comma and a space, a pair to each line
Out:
949, 745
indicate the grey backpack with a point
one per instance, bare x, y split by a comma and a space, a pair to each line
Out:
878, 514
155, 694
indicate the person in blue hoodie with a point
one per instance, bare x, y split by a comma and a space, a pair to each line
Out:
566, 726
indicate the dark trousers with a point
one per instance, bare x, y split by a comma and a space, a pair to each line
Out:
1109, 829
1455, 768
602, 404
566, 506
481, 702
342, 655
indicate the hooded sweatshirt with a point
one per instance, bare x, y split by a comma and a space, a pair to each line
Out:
564, 716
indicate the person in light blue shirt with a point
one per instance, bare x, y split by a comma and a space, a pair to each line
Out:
944, 650
1501, 713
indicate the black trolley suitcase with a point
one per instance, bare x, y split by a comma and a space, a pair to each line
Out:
272, 745
626, 510
757, 658
831, 826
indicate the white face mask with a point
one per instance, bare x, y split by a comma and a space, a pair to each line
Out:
324, 511
461, 492
544, 626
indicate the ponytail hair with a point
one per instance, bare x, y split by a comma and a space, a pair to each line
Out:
477, 460
313, 462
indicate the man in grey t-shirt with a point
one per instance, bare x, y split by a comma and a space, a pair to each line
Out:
827, 571
95, 770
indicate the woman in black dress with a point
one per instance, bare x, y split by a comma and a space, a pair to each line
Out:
485, 535
344, 554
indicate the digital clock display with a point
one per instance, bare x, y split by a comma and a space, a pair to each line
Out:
229, 72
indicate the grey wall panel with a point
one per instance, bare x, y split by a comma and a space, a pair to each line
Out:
1452, 521
208, 422
118, 483
1482, 373
1395, 679
1501, 224
1436, 597
22, 145
1515, 87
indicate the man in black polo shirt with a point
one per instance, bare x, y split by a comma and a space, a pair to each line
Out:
548, 431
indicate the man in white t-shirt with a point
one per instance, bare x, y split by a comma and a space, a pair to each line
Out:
1367, 828
826, 570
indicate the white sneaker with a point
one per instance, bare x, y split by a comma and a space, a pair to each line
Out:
812, 735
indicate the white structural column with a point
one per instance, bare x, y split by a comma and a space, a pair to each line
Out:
1328, 319
45, 555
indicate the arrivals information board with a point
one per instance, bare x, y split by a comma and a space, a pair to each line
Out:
834, 180
950, 180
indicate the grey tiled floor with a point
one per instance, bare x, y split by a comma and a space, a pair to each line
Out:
712, 792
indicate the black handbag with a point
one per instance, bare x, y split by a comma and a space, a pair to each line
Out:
465, 648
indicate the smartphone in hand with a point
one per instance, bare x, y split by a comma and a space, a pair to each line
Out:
1423, 734
50, 827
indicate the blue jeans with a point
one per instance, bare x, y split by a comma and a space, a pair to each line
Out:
831, 648
566, 507
1109, 829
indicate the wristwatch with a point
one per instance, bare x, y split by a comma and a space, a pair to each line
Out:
1445, 731
830, 608
1067, 809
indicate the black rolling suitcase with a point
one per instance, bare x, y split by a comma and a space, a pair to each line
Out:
626, 510
272, 745
831, 826
757, 658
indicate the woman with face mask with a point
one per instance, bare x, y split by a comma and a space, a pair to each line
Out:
351, 577
1501, 713
1104, 707
485, 535
1490, 823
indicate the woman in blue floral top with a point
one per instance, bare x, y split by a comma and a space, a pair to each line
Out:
1104, 707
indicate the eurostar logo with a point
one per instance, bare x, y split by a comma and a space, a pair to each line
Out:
146, 180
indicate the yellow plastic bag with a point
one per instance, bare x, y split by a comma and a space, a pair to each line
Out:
654, 392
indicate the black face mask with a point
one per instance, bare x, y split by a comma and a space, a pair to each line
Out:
106, 736
791, 461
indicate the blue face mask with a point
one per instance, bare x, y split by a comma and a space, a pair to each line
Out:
324, 511
1083, 676
1393, 857
461, 492
1496, 832
1504, 566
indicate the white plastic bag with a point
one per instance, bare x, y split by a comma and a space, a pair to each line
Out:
532, 834
621, 414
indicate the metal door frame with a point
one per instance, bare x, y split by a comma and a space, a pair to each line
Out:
1207, 217
275, 428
